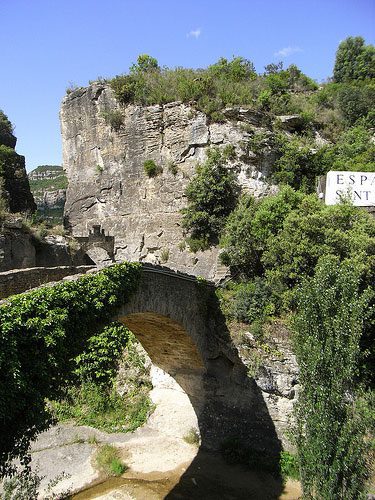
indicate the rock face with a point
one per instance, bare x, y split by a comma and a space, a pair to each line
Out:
48, 186
108, 184
274, 368
14, 184
15, 189
20, 249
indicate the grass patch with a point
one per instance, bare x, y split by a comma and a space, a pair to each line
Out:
192, 437
103, 408
164, 255
151, 168
108, 461
289, 465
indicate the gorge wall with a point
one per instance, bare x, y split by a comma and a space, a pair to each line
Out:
14, 184
104, 164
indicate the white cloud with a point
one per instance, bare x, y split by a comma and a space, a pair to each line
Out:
287, 51
194, 33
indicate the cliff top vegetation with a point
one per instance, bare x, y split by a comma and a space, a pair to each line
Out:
332, 107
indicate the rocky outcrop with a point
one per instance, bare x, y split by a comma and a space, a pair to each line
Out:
48, 186
20, 248
14, 184
273, 366
16, 248
104, 164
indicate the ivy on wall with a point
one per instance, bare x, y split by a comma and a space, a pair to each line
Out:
41, 334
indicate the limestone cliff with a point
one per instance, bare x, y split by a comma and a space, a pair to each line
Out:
48, 185
104, 162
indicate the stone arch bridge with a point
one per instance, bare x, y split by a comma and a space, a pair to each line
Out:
178, 321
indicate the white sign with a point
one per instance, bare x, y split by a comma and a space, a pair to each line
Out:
358, 186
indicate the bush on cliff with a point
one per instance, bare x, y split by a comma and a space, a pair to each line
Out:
212, 194
224, 83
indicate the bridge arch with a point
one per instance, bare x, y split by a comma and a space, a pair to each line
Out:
177, 319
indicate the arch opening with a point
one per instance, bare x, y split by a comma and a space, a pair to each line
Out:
177, 372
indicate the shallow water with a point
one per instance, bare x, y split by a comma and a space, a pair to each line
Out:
207, 478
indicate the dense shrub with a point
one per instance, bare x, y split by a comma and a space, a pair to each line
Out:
354, 60
114, 118
99, 362
354, 150
108, 461
332, 415
298, 164
224, 83
6, 130
313, 230
283, 236
212, 194
151, 168
248, 301
250, 225
41, 333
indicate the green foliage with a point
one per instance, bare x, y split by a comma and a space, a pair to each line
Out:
144, 64
298, 164
108, 461
212, 194
114, 118
192, 437
221, 84
102, 407
250, 225
236, 70
151, 168
281, 238
99, 362
313, 230
354, 150
41, 333
289, 465
338, 106
354, 60
6, 130
23, 485
249, 301
59, 182
94, 398
332, 416
164, 255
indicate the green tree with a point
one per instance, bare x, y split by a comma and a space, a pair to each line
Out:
332, 417
144, 64
236, 70
354, 60
313, 230
297, 164
6, 131
251, 224
212, 194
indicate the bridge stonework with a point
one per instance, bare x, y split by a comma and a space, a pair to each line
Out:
178, 321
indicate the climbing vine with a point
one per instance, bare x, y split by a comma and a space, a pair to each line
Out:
41, 334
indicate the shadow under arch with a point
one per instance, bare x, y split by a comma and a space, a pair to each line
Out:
189, 340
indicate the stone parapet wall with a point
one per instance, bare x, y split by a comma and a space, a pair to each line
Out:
21, 280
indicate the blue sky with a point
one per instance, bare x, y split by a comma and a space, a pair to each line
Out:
47, 45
